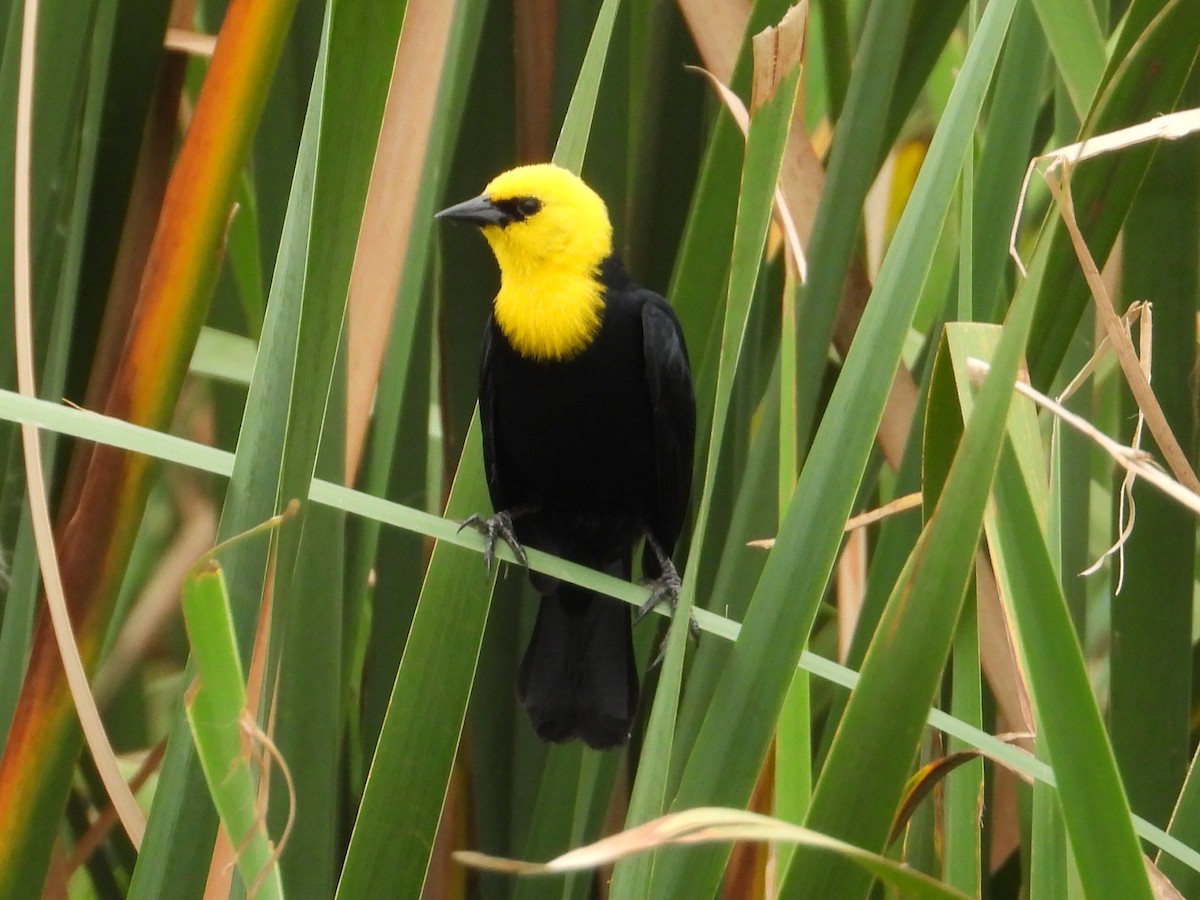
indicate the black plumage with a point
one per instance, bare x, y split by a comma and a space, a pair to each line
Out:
589, 421
587, 455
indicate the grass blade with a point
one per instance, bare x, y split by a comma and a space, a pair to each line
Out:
217, 713
724, 762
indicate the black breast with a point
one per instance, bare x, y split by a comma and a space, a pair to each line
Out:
574, 440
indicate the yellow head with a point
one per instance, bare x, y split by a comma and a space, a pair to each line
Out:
549, 232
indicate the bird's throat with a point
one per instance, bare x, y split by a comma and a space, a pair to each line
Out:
551, 317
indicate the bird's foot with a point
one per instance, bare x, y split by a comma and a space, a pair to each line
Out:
665, 589
498, 528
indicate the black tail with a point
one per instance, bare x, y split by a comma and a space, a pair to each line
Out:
578, 677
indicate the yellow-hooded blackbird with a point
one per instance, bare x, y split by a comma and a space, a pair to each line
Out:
589, 420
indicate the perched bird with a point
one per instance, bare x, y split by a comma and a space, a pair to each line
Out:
589, 423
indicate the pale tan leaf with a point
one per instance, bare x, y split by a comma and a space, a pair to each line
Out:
777, 51
193, 43
1139, 383
697, 826
1160, 883
121, 797
717, 29
1167, 127
387, 224
1136, 461
998, 656
899, 505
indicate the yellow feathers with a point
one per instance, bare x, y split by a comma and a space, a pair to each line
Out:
551, 300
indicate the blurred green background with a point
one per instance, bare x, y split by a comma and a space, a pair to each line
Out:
236, 251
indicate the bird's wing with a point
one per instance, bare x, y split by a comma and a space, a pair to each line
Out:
487, 420
673, 402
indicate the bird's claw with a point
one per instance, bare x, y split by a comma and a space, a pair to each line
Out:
498, 528
665, 589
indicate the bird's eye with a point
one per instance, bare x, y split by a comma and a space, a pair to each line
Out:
527, 206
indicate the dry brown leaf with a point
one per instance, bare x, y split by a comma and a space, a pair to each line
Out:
1171, 126
1127, 506
1138, 382
899, 505
717, 30
1160, 884
221, 867
693, 826
851, 589
387, 223
1168, 127
1133, 460
929, 775
777, 51
783, 215
998, 656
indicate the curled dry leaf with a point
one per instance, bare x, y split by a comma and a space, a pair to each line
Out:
930, 775
262, 751
1135, 460
1057, 178
1127, 507
1138, 381
783, 214
1169, 127
707, 825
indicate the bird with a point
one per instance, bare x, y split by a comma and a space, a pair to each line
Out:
588, 415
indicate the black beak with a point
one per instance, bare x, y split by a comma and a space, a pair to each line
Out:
478, 211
